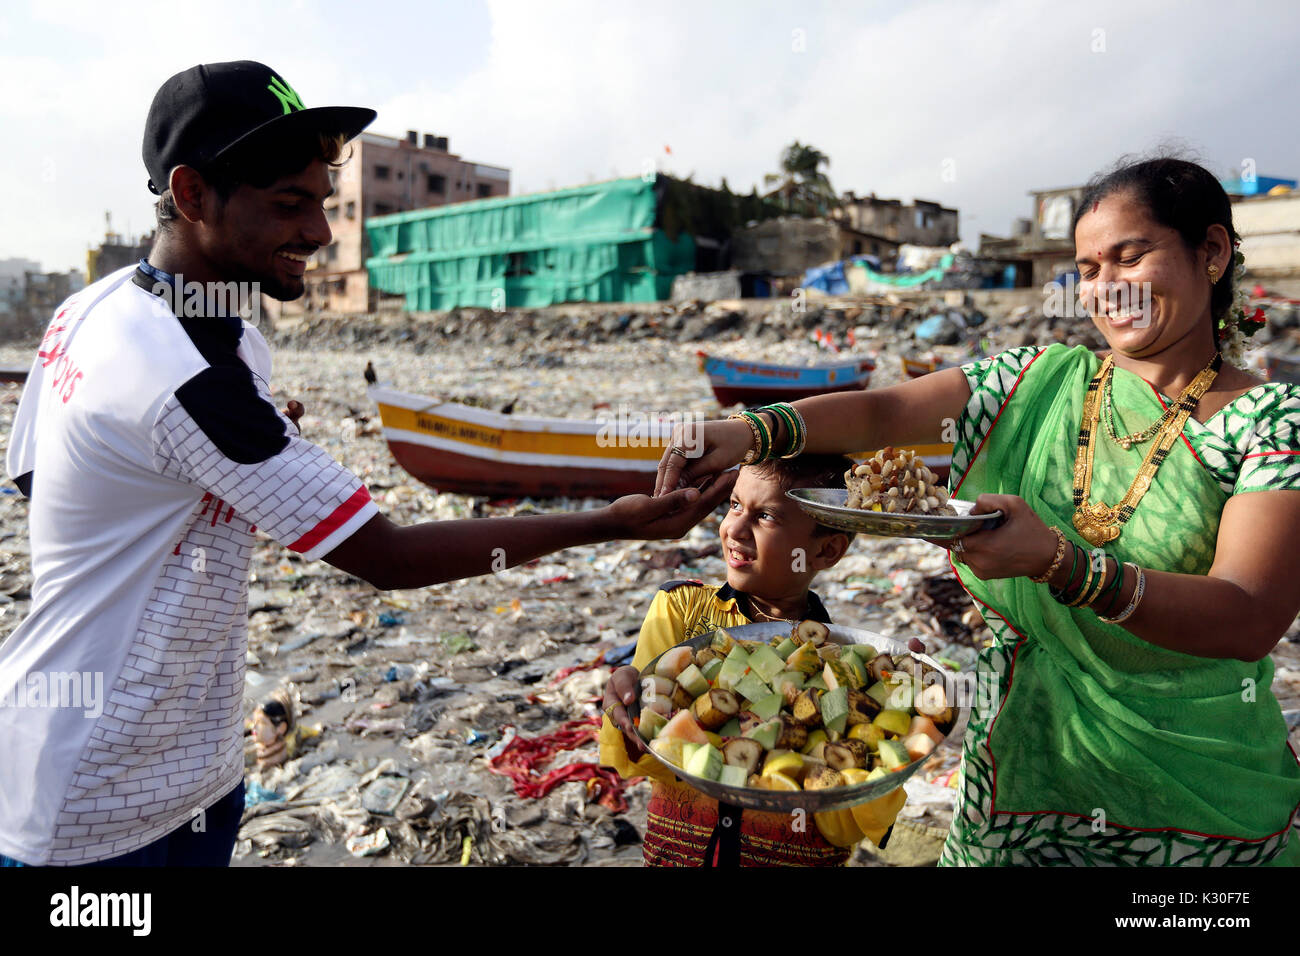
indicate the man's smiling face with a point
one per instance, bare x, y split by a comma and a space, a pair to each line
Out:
267, 235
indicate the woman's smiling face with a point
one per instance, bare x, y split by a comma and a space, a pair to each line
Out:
1143, 288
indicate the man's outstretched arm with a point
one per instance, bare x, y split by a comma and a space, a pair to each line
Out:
392, 557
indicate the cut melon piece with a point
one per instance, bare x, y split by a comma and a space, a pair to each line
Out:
787, 678
706, 762
922, 724
816, 682
735, 667
804, 660
752, 687
901, 695
786, 648
814, 738
854, 664
693, 681
732, 776
669, 748
710, 670
835, 710
829, 652
673, 661
877, 773
863, 652
722, 642
688, 751
893, 721
684, 727
765, 733
765, 708
838, 674
730, 729
650, 723
879, 691
766, 663
893, 754
918, 745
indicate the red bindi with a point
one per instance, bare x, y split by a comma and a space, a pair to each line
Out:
1095, 205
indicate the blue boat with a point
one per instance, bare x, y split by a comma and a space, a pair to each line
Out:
755, 383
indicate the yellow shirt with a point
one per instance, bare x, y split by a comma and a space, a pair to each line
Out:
682, 610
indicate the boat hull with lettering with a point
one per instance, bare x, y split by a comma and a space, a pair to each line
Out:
756, 383
474, 451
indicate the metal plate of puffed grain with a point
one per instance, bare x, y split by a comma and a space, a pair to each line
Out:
813, 801
828, 506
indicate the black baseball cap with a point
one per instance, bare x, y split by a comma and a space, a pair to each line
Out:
203, 112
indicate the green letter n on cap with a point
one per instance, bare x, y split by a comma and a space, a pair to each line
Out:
285, 94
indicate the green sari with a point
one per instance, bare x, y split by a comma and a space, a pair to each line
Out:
1088, 745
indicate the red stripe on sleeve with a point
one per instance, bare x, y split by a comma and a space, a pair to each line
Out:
337, 518
1261, 454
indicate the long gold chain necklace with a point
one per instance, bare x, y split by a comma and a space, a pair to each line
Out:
1136, 438
1100, 523
758, 611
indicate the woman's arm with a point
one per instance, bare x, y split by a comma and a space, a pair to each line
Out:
918, 411
1239, 610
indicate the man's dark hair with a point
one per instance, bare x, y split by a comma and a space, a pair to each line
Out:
1178, 194
259, 164
806, 471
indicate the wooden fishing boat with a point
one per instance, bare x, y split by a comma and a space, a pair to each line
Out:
13, 373
915, 368
757, 383
475, 451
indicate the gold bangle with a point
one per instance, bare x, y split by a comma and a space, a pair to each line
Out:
1138, 591
1087, 599
1088, 573
752, 453
1056, 562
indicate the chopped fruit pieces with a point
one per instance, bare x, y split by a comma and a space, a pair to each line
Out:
672, 662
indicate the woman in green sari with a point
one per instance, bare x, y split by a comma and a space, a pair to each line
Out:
1123, 712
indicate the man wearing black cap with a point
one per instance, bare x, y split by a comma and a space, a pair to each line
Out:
148, 443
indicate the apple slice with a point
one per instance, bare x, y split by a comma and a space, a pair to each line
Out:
894, 722
650, 723
922, 724
893, 754
918, 746
733, 776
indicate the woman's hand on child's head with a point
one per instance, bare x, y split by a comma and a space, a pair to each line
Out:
701, 449
619, 692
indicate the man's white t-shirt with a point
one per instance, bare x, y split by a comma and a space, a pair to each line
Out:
152, 452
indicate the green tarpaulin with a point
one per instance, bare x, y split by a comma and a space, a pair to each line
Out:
596, 243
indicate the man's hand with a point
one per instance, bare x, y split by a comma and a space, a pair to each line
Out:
619, 692
670, 515
294, 411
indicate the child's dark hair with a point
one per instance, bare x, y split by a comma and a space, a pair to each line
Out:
806, 471
259, 164
1179, 195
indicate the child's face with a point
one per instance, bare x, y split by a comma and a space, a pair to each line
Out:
769, 543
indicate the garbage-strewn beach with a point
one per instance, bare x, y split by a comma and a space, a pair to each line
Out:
403, 698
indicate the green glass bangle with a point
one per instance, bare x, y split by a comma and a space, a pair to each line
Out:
1099, 587
780, 411
1088, 574
1115, 592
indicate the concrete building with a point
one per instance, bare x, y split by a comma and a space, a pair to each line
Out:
789, 246
1269, 227
923, 223
1043, 245
116, 252
384, 175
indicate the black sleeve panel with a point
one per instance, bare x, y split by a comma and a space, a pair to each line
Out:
24, 483
224, 402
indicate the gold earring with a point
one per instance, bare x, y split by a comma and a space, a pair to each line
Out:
1214, 274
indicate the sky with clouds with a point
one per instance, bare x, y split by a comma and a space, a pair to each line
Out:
968, 102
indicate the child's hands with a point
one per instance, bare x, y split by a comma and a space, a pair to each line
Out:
620, 691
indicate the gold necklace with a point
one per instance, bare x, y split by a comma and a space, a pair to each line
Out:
761, 613
1136, 438
1100, 523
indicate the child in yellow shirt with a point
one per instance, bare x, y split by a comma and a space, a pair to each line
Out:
773, 551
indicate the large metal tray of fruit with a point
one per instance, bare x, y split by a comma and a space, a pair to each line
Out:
828, 506
927, 672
